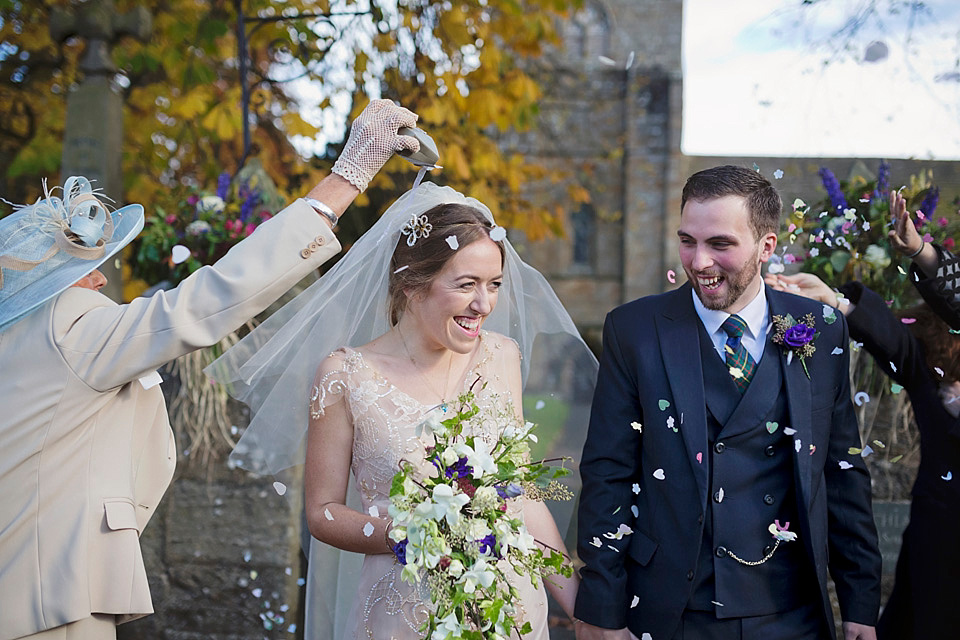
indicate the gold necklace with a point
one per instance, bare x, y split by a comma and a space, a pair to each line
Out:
443, 398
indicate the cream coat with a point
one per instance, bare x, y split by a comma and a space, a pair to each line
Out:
86, 449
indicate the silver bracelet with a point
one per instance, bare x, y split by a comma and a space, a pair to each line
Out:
917, 252
323, 210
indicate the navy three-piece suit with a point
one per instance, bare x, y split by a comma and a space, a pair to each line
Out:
699, 472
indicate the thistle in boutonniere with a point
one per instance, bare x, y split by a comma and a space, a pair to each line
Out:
796, 337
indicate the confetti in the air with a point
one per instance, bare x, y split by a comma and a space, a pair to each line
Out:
622, 530
700, 457
893, 367
789, 431
837, 351
797, 445
246, 556
663, 404
861, 398
636, 426
327, 514
659, 475
374, 511
540, 405
613, 547
896, 459
867, 450
280, 488
368, 529
635, 511
772, 427
778, 174
634, 602
813, 449
948, 477
879, 444
895, 388
257, 592
498, 234
908, 320
939, 371
672, 276
636, 488
179, 254
453, 242
596, 542
845, 465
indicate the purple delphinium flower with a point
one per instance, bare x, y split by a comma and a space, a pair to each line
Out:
929, 204
223, 184
883, 179
460, 468
799, 335
251, 198
488, 544
835, 193
400, 550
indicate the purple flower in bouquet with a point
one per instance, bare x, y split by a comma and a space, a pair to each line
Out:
460, 468
400, 550
799, 335
488, 544
929, 204
832, 185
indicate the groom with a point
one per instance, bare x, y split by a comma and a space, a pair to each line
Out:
716, 471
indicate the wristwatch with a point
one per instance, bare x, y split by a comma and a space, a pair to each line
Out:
323, 210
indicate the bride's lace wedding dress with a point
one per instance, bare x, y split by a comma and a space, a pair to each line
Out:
384, 422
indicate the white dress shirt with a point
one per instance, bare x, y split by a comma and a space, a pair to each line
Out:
755, 314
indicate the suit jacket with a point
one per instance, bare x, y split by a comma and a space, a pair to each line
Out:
645, 465
86, 450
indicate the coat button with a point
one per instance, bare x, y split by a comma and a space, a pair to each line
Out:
690, 574
770, 451
717, 498
305, 254
768, 499
721, 552
319, 240
313, 246
719, 447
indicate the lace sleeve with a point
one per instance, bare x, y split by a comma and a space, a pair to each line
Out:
330, 383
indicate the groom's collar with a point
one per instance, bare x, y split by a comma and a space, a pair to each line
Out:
755, 314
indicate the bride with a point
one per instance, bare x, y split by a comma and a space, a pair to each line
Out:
427, 302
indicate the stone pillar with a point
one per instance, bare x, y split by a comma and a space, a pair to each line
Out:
93, 140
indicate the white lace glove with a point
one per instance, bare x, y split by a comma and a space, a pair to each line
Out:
373, 139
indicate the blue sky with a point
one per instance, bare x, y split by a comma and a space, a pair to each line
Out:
769, 78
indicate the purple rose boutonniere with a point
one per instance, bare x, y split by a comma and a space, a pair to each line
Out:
796, 337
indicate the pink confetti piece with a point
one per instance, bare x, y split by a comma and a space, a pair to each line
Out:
700, 457
813, 449
791, 228
672, 276
908, 320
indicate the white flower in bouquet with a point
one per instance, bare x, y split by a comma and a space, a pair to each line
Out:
481, 573
877, 257
485, 499
478, 456
198, 227
432, 423
447, 627
214, 204
445, 505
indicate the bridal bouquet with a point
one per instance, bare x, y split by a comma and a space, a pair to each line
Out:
453, 530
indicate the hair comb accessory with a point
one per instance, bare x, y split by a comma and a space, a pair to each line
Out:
417, 227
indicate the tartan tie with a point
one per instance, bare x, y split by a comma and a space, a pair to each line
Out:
739, 361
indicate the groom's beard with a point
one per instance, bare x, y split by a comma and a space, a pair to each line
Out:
736, 283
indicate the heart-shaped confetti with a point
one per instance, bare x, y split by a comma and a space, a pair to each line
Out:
772, 427
845, 465
663, 404
659, 475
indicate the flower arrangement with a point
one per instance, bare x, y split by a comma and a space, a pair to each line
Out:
175, 244
796, 337
454, 531
843, 236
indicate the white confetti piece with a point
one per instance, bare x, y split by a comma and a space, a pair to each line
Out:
670, 422
845, 465
453, 242
861, 398
234, 430
900, 269
893, 366
634, 602
403, 268
257, 592
939, 371
797, 445
280, 488
327, 514
867, 450
288, 571
778, 174
636, 426
719, 604
614, 548
374, 511
775, 267
540, 405
596, 542
498, 234
246, 556
254, 574
636, 488
948, 477
368, 529
658, 474
836, 351
646, 636
635, 511
789, 431
622, 530
179, 253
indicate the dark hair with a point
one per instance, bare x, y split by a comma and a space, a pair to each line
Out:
763, 201
941, 349
413, 268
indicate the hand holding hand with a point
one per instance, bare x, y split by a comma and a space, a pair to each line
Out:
904, 236
855, 631
803, 284
373, 139
586, 631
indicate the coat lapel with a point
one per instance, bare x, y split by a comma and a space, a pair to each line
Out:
798, 397
678, 335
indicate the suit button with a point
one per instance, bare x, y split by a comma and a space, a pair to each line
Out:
770, 451
768, 499
719, 447
690, 574
313, 246
717, 498
721, 552
305, 254
319, 241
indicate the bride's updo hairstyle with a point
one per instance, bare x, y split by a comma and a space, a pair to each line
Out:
413, 268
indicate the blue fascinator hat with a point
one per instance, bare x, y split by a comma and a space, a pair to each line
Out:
50, 245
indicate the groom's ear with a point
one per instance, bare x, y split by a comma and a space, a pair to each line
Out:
768, 244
